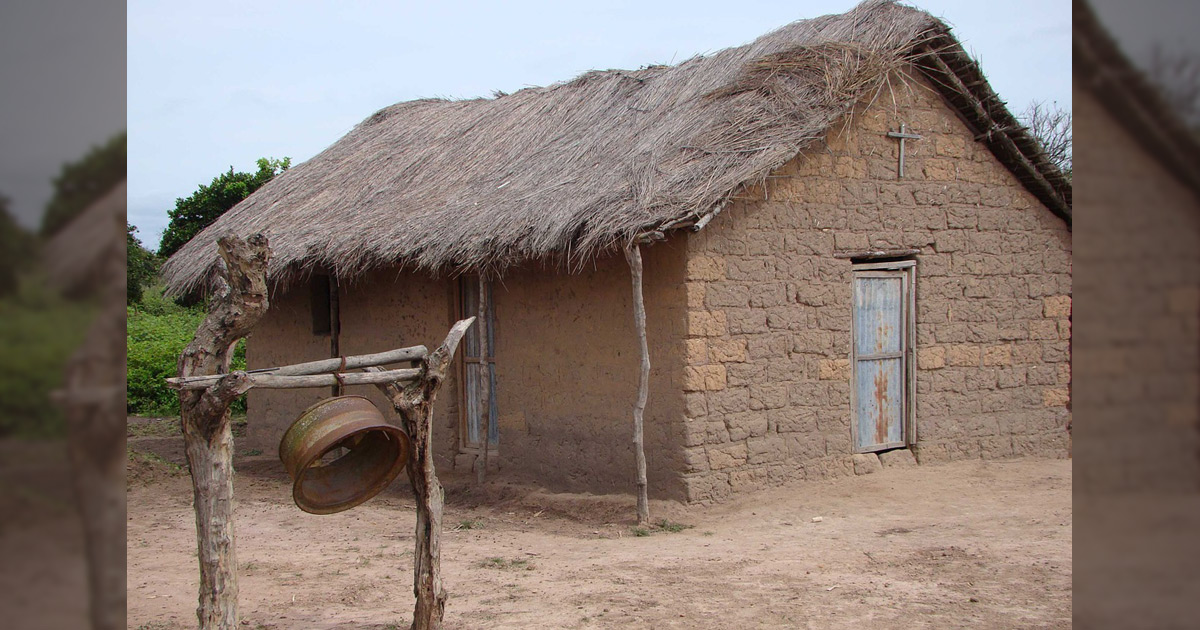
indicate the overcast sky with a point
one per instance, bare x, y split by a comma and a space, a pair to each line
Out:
62, 91
217, 84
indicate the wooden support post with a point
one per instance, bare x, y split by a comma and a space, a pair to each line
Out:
485, 381
93, 399
414, 404
634, 257
205, 419
335, 326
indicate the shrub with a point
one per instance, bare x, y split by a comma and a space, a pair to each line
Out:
158, 331
38, 333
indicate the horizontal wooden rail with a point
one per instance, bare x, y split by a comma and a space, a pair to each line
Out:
260, 380
415, 353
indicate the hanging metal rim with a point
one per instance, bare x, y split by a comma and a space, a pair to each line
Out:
377, 453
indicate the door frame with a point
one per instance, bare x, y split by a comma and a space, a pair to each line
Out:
908, 424
459, 286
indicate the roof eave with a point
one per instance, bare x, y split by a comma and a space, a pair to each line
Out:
961, 83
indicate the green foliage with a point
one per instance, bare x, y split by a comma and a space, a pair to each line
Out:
158, 331
505, 564
141, 266
672, 527
16, 249
9, 231
193, 214
38, 333
81, 183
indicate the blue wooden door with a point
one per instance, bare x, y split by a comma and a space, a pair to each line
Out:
880, 392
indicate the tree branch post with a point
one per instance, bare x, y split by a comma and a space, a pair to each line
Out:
204, 415
414, 404
633, 256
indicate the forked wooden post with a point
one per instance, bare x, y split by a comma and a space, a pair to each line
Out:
634, 257
204, 415
414, 404
206, 389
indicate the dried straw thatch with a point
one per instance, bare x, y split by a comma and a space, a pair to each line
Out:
76, 256
567, 171
1101, 68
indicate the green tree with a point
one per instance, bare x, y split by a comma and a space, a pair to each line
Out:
193, 214
16, 248
83, 182
141, 266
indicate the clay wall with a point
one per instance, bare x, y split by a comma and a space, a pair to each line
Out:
769, 305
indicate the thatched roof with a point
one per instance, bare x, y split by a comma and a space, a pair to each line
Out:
1101, 68
567, 171
76, 256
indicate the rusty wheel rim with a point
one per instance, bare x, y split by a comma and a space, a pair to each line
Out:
324, 483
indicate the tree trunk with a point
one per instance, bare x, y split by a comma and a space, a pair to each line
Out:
430, 498
414, 404
210, 462
485, 381
205, 419
634, 257
94, 401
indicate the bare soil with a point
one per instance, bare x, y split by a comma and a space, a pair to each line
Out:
978, 544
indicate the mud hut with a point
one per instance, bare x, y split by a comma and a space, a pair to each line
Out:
851, 247
1142, 314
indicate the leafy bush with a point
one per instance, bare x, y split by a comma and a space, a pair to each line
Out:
158, 331
38, 333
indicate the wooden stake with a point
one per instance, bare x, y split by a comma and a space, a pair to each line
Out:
414, 404
205, 419
93, 400
485, 381
634, 257
335, 326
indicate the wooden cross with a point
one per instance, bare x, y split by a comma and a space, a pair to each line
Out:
902, 135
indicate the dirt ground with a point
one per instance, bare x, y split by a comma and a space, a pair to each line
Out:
964, 545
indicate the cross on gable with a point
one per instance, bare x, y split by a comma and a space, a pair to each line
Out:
902, 135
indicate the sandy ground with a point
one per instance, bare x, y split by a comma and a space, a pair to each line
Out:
963, 545
43, 583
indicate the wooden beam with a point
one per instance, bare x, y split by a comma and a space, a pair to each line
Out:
878, 253
259, 380
335, 326
399, 355
952, 88
634, 257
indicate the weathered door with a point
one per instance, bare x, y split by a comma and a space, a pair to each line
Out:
880, 357
473, 369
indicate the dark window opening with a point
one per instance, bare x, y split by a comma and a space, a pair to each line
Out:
322, 322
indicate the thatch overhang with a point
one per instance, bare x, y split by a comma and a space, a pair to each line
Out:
1126, 93
566, 172
75, 256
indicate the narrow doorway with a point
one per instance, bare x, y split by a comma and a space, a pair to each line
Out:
881, 356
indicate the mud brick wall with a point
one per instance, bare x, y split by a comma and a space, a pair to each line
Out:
1139, 315
767, 375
